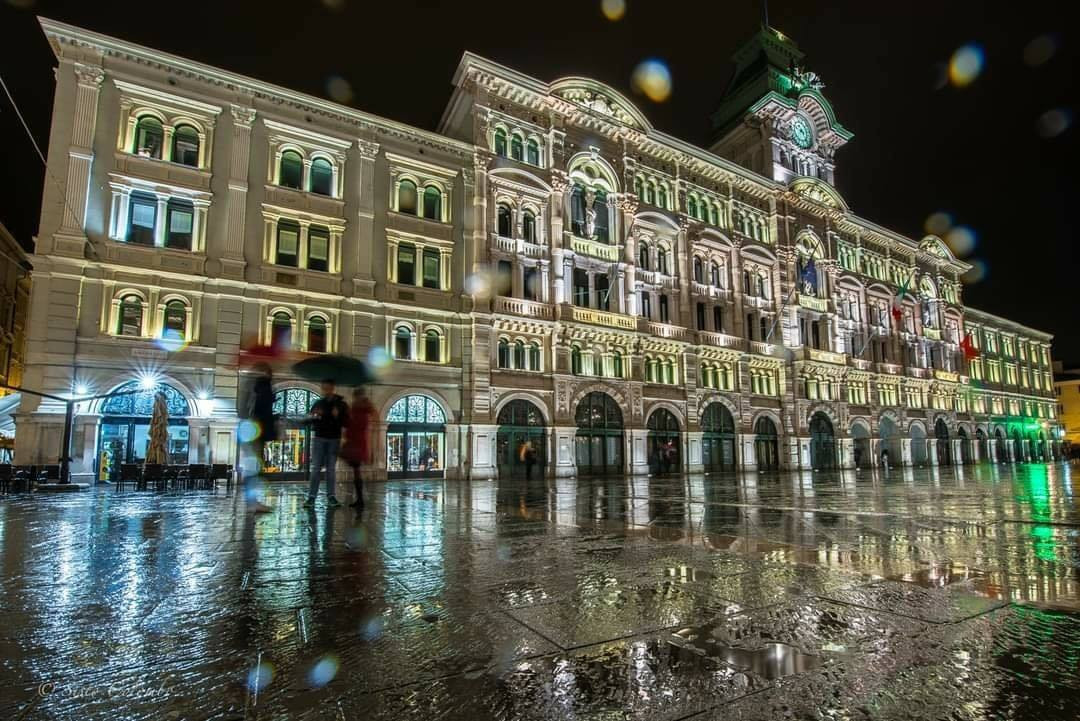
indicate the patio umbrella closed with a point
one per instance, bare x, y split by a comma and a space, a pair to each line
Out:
156, 450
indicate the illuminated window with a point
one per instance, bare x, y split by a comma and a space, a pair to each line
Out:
432, 347
179, 221
185, 147
318, 248
504, 225
174, 321
322, 177
288, 243
149, 136
532, 152
517, 151
130, 317
142, 216
500, 142
316, 334
528, 226
403, 343
407, 197
291, 170
432, 203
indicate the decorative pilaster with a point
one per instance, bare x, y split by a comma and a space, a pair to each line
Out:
80, 152
233, 252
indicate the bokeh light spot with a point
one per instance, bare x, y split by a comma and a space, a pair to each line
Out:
372, 628
260, 676
478, 284
1040, 50
653, 79
938, 223
171, 341
1053, 123
977, 273
356, 536
338, 89
613, 9
961, 240
247, 431
378, 359
324, 671
333, 4
965, 65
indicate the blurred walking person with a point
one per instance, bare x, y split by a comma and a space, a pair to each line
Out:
263, 430
329, 415
358, 441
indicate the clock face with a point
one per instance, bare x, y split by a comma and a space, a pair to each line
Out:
801, 133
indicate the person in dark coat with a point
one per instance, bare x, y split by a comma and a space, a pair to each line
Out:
264, 429
329, 415
357, 446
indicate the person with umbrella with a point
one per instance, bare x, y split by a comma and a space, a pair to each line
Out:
261, 413
329, 415
357, 447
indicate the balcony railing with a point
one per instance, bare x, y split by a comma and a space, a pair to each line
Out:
760, 348
721, 340
824, 356
664, 330
751, 301
519, 246
526, 308
861, 363
890, 368
915, 372
599, 317
592, 248
932, 333
809, 301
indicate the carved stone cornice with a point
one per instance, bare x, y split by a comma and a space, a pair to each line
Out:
242, 115
368, 149
90, 76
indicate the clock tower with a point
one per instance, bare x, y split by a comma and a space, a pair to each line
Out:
773, 118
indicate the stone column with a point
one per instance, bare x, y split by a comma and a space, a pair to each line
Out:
931, 451
747, 452
88, 79
232, 254
639, 455
562, 440
362, 264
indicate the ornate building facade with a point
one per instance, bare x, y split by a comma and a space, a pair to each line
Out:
546, 268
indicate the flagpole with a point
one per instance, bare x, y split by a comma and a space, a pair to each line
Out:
776, 320
873, 332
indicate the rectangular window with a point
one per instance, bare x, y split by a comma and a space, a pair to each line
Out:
288, 244
143, 214
178, 229
646, 305
431, 268
764, 329
531, 284
318, 249
504, 279
581, 288
406, 265
718, 319
701, 316
749, 326
665, 315
603, 292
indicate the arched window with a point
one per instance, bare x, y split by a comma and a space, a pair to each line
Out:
130, 317
500, 142
691, 206
432, 203
699, 273
760, 288
601, 221
661, 261
643, 257
291, 170
519, 355
532, 152
517, 148
185, 146
665, 316
661, 196
528, 226
149, 136
669, 372
650, 193
407, 197
639, 188
577, 210
288, 243
432, 347
322, 177
650, 370
504, 353
534, 356
575, 360
504, 224
174, 322
132, 400
616, 364
716, 274
403, 343
316, 334
281, 330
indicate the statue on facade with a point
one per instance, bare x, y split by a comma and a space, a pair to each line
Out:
807, 79
927, 314
590, 214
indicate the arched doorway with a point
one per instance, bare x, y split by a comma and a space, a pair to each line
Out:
520, 422
1002, 452
919, 455
984, 451
889, 446
965, 445
718, 438
599, 440
125, 427
662, 442
944, 451
766, 444
822, 443
288, 455
415, 438
860, 440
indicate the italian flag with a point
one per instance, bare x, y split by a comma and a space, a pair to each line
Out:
898, 301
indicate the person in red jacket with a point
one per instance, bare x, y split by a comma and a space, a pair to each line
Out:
357, 447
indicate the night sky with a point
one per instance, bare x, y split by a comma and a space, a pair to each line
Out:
974, 152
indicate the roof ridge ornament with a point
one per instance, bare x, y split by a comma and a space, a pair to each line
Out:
803, 79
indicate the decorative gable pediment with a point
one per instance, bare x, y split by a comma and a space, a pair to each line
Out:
600, 100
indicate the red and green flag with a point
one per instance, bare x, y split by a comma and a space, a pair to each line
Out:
970, 352
898, 301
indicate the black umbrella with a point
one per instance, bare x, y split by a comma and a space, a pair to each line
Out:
341, 369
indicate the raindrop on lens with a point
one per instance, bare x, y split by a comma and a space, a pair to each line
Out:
977, 273
653, 79
1040, 50
247, 431
965, 65
339, 89
323, 672
613, 9
171, 341
961, 240
378, 358
478, 284
260, 676
938, 223
372, 629
1053, 123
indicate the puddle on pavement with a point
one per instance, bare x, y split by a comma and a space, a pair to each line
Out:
769, 661
941, 576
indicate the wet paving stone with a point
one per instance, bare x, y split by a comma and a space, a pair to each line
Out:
924, 594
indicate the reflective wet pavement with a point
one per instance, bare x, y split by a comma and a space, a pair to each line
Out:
926, 594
